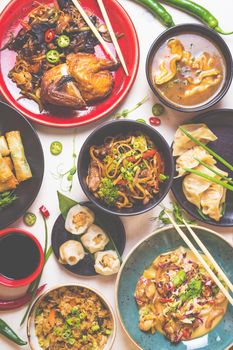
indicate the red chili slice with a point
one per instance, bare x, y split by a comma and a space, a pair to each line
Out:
49, 35
155, 121
149, 153
44, 211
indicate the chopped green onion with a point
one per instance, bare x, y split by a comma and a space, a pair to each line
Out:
140, 120
215, 171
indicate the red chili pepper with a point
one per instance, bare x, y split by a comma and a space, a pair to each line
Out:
17, 303
131, 159
122, 182
25, 25
149, 153
166, 300
44, 211
49, 35
211, 302
155, 121
186, 334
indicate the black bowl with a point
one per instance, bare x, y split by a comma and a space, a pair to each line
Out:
114, 128
209, 34
27, 191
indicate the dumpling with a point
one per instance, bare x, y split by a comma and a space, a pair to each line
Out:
79, 219
183, 143
212, 201
95, 239
71, 252
194, 185
187, 159
107, 262
4, 150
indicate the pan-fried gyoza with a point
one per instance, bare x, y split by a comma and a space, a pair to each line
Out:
176, 296
125, 170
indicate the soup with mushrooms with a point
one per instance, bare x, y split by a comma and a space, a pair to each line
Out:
188, 70
176, 296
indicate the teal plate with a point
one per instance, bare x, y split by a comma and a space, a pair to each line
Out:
161, 241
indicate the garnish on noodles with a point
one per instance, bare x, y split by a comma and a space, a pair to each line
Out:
125, 170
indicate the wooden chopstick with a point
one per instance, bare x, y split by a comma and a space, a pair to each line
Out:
112, 35
200, 258
94, 30
209, 256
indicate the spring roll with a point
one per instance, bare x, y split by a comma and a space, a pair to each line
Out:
5, 171
4, 150
22, 168
8, 161
8, 185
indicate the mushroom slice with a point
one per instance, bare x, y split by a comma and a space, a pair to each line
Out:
71, 252
95, 239
107, 262
79, 219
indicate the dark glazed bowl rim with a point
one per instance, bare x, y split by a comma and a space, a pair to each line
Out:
125, 126
209, 34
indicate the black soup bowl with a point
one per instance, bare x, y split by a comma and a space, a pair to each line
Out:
213, 38
124, 127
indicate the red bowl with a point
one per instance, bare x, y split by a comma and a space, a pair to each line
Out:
121, 22
25, 281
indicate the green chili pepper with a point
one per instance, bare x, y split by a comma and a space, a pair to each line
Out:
157, 9
52, 56
63, 41
7, 332
140, 120
29, 219
56, 148
158, 109
198, 11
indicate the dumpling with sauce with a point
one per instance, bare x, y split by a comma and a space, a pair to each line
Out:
182, 143
71, 252
95, 239
189, 159
107, 263
79, 219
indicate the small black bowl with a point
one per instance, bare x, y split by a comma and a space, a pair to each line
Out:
202, 31
114, 128
26, 191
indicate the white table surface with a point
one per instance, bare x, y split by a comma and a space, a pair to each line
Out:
148, 28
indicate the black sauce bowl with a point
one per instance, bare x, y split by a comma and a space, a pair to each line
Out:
202, 31
114, 128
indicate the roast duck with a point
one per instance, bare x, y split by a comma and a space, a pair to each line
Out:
82, 80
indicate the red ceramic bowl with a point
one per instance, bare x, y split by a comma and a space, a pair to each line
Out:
121, 22
10, 288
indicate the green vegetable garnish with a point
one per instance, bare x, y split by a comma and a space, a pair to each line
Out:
140, 143
193, 291
108, 332
6, 199
29, 219
63, 41
95, 328
56, 148
108, 191
126, 112
163, 177
53, 56
178, 215
140, 120
158, 109
179, 278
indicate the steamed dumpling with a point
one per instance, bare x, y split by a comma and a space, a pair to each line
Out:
107, 262
187, 159
194, 186
95, 239
212, 201
79, 219
71, 252
183, 143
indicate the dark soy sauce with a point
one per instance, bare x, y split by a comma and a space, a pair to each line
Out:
19, 256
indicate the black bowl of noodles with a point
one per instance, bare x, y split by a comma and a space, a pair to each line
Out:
125, 167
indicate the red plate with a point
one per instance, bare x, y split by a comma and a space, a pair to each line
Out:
121, 23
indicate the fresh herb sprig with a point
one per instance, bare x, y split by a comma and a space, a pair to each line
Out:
178, 214
7, 198
68, 175
126, 112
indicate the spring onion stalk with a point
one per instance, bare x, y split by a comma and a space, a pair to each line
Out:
228, 179
214, 154
210, 178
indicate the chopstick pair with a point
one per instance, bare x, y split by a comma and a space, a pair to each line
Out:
99, 37
200, 258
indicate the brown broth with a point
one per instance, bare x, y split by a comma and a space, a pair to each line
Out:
174, 90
